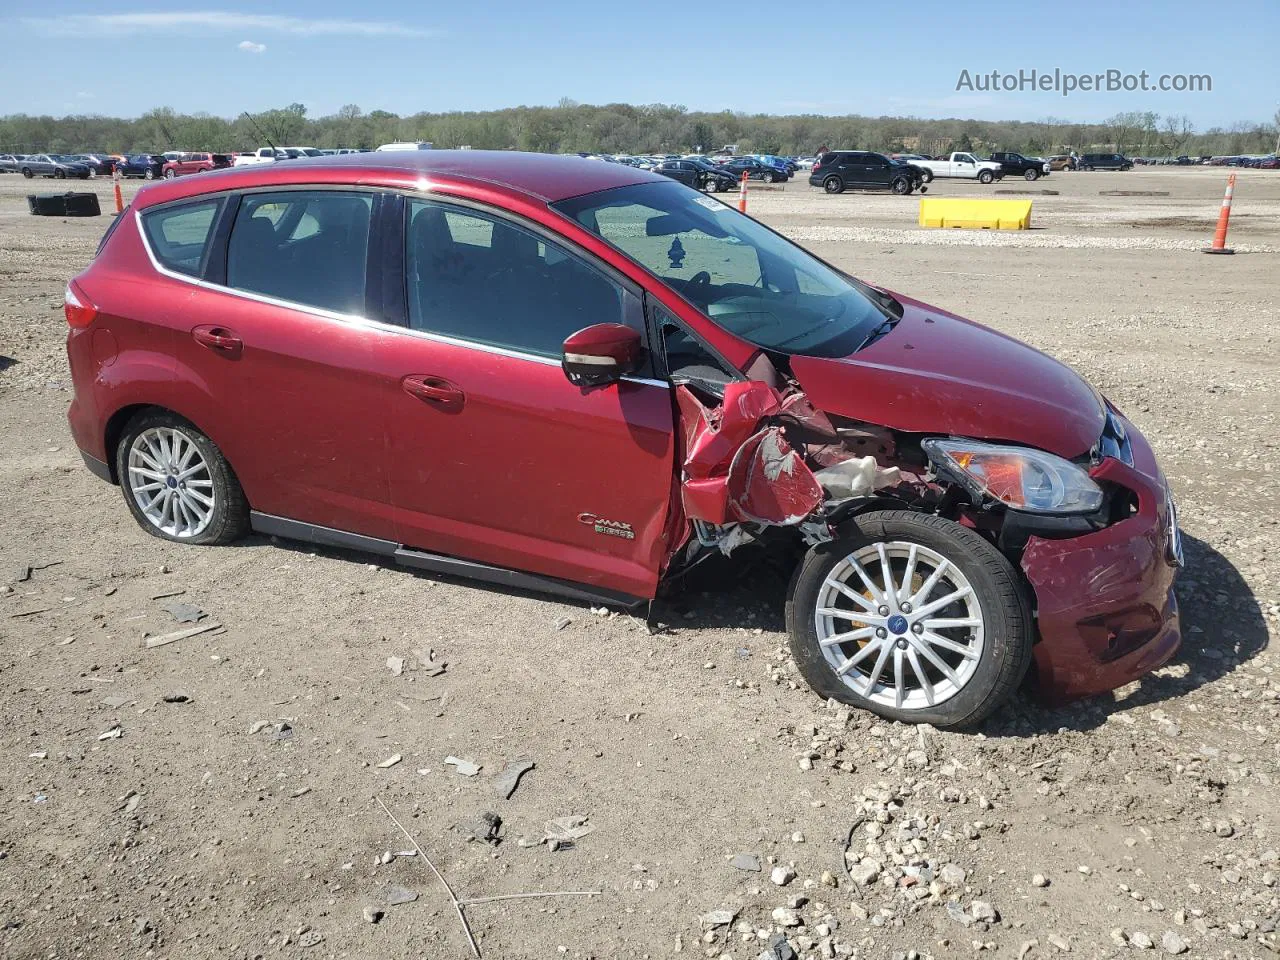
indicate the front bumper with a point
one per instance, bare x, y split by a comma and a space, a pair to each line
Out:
1106, 609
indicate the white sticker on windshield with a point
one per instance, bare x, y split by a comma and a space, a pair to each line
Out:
711, 204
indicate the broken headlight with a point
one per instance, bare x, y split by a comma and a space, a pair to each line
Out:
1019, 477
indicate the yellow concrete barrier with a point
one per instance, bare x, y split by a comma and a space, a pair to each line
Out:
975, 214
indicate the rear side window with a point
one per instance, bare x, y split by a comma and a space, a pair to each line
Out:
306, 247
179, 235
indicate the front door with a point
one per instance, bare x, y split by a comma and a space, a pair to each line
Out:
494, 455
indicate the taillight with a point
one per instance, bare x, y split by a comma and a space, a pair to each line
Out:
79, 309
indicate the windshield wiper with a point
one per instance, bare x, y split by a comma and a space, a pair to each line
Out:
883, 327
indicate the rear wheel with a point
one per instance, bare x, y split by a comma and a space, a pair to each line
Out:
26, 172
986, 176
59, 174
833, 185
1032, 175
169, 174
913, 617
177, 484
901, 186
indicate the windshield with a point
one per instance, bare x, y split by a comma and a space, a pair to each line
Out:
745, 277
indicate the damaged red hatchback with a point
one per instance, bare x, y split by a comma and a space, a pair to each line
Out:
575, 376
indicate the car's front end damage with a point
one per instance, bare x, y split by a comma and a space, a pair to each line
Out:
1098, 581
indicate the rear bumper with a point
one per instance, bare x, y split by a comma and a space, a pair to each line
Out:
1106, 609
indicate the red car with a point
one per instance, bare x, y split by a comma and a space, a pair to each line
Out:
579, 377
196, 163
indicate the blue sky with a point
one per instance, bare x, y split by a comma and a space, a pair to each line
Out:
894, 57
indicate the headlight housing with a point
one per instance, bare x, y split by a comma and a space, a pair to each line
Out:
1019, 477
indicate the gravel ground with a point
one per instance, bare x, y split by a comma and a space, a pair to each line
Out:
217, 796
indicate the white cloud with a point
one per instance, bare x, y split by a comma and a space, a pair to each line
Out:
248, 46
84, 94
214, 20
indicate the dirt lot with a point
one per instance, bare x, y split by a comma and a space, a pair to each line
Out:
1147, 821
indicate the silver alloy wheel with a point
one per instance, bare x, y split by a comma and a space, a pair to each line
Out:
900, 625
170, 482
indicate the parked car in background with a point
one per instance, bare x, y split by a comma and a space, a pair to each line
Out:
1016, 165
963, 166
299, 153
404, 145
1062, 161
755, 170
52, 165
675, 381
805, 163
148, 166
840, 170
698, 174
101, 164
1105, 161
10, 162
196, 163
261, 155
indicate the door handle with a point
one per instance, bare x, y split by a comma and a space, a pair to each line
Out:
217, 338
435, 390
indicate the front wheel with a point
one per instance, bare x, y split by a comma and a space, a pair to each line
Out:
927, 176
911, 616
177, 484
833, 185
901, 186
986, 176
149, 175
1032, 175
59, 174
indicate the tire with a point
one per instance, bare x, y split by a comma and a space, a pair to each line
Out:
901, 186
169, 174
145, 441
833, 185
1032, 175
985, 176
91, 174
927, 176
149, 174
26, 172
989, 664
59, 174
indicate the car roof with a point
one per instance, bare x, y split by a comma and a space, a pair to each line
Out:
543, 176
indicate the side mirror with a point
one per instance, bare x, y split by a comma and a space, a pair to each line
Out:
601, 354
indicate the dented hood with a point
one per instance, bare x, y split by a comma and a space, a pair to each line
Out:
938, 373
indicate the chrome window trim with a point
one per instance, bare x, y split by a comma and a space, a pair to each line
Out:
377, 326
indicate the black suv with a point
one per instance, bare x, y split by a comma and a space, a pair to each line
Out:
860, 170
1105, 161
698, 174
756, 170
1016, 165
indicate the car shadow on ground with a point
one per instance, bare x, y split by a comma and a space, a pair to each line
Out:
1222, 624
6, 362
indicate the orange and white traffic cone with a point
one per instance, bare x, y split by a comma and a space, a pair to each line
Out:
115, 176
742, 193
1224, 215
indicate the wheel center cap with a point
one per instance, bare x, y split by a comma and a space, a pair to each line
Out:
897, 624
173, 484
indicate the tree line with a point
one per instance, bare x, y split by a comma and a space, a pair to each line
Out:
571, 127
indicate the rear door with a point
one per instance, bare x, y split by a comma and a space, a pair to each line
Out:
278, 338
494, 455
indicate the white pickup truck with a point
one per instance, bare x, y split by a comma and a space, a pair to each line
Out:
263, 155
962, 165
